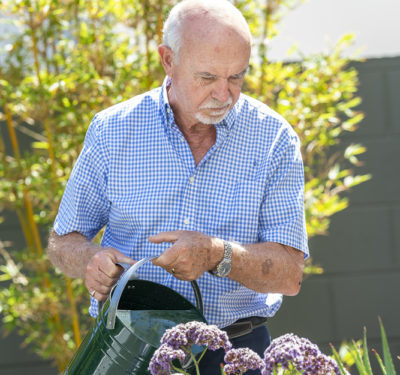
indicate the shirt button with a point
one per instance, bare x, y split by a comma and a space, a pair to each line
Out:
191, 179
186, 221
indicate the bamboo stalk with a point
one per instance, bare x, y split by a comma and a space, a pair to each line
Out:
12, 134
15, 148
160, 21
35, 48
47, 127
147, 46
32, 226
25, 230
263, 49
74, 312
159, 28
71, 298
45, 280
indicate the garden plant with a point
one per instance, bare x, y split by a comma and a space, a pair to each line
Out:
287, 354
64, 60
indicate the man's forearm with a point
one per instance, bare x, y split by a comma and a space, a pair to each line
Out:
71, 253
268, 267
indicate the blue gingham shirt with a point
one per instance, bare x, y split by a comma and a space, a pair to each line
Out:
137, 177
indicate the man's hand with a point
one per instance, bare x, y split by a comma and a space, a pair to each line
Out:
102, 272
191, 254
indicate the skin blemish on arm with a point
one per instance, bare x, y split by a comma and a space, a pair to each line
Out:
266, 266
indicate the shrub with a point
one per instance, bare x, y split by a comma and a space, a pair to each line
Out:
66, 60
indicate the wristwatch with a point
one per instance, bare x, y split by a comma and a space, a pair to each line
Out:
224, 267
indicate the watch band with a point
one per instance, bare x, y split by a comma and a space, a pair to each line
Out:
224, 267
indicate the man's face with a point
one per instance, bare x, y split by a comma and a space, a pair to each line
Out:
208, 76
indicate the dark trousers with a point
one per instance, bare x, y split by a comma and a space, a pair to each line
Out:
258, 341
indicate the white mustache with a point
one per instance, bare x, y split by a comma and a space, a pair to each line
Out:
216, 104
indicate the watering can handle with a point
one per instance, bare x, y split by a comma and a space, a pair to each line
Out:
130, 274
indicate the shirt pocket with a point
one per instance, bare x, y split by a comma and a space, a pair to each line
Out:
245, 210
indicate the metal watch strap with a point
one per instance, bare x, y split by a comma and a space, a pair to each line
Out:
226, 259
227, 250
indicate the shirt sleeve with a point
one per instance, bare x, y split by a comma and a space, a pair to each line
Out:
84, 207
282, 218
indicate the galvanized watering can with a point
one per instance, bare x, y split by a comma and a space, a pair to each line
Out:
130, 325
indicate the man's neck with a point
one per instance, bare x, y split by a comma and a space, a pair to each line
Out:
200, 137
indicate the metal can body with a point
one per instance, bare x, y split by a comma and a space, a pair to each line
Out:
145, 311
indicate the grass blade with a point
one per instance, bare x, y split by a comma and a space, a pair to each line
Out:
338, 360
356, 353
378, 357
366, 361
387, 356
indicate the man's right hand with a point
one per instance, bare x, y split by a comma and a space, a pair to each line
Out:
103, 272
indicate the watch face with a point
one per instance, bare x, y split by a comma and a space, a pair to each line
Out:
224, 268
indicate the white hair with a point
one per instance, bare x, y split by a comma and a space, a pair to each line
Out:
172, 29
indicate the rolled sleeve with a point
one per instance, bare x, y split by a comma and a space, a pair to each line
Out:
282, 217
84, 207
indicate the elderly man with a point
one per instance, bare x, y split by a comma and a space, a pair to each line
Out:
204, 177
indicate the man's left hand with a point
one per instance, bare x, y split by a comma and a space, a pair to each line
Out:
191, 254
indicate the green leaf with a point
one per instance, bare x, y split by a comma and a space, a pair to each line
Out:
365, 354
387, 356
338, 360
382, 366
356, 353
40, 145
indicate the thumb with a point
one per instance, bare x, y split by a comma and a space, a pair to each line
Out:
172, 236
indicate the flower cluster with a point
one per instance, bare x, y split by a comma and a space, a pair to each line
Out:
184, 335
177, 342
299, 352
238, 361
160, 363
288, 352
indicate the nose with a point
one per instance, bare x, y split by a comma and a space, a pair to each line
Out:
221, 90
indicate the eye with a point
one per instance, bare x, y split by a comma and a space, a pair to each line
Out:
236, 80
208, 78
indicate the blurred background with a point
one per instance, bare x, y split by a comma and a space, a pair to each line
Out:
62, 61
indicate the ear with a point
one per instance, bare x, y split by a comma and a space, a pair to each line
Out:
167, 59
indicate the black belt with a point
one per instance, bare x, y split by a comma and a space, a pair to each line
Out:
244, 326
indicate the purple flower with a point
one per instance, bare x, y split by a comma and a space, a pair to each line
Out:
184, 335
238, 361
301, 354
160, 363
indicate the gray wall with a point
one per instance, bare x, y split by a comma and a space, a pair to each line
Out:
361, 255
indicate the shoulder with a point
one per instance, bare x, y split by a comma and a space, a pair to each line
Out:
256, 116
126, 115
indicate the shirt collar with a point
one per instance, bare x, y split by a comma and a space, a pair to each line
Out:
165, 108
169, 116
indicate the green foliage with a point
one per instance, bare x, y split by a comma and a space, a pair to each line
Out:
356, 353
317, 96
66, 60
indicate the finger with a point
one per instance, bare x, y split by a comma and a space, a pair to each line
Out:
172, 236
99, 296
168, 258
108, 263
95, 275
102, 269
97, 290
